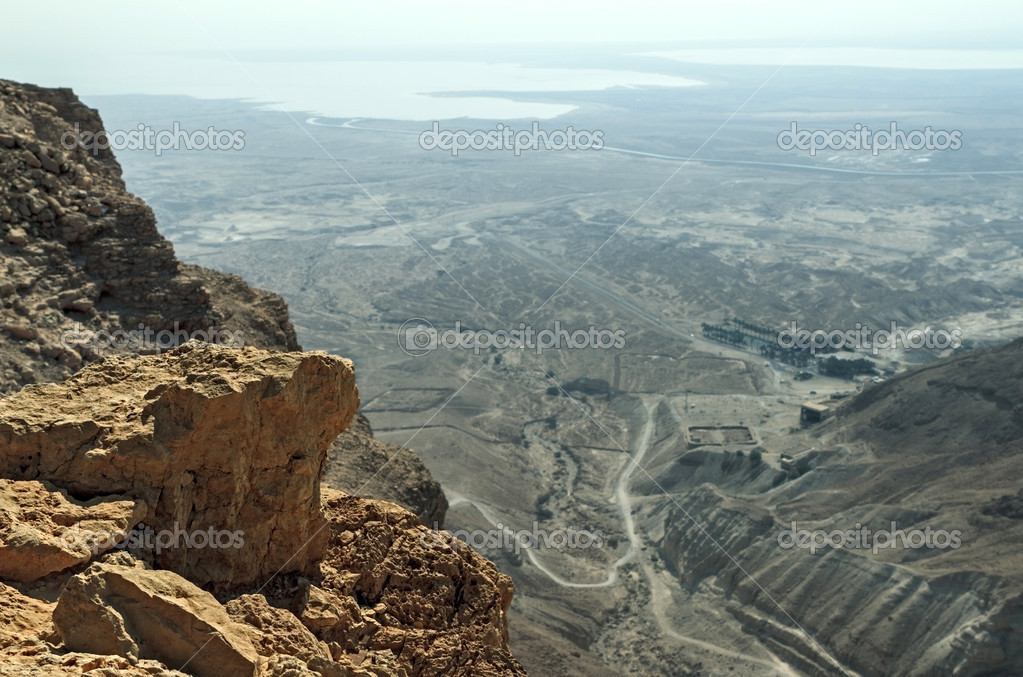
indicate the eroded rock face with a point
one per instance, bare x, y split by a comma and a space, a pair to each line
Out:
359, 464
135, 613
226, 438
22, 618
43, 531
207, 437
276, 631
197, 438
427, 594
78, 252
391, 598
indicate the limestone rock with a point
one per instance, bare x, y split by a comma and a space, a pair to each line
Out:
359, 464
43, 531
279, 631
209, 438
20, 331
334, 619
74, 227
448, 602
155, 615
17, 236
34, 659
23, 618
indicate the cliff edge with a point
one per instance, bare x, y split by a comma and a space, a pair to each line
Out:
164, 514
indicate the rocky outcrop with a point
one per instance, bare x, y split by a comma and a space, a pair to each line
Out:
122, 485
326, 584
22, 618
81, 257
131, 612
36, 533
224, 445
359, 464
399, 559
82, 264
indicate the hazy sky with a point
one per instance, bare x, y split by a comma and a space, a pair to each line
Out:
191, 46
69, 27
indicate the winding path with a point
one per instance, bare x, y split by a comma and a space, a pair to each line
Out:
660, 593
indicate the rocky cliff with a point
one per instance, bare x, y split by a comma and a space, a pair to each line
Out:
164, 514
152, 444
78, 253
82, 266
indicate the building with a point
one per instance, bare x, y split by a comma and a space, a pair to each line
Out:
812, 412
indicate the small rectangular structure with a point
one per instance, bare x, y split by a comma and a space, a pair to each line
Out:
812, 412
718, 435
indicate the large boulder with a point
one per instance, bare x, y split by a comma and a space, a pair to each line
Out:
225, 447
158, 615
43, 531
